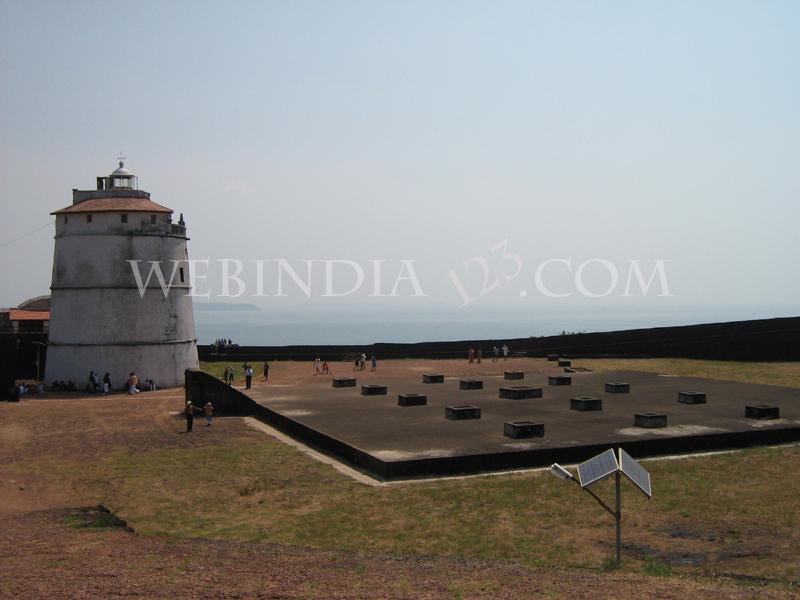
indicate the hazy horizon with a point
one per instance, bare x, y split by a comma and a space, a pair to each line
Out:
367, 324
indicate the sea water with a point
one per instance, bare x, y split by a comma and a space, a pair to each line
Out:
366, 325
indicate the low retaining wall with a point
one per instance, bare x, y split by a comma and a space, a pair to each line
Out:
321, 441
202, 387
481, 463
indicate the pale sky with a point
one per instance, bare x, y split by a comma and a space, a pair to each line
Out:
425, 131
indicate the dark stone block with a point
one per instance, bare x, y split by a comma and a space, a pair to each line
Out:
461, 413
432, 378
373, 389
692, 397
523, 429
762, 412
649, 420
344, 382
520, 392
564, 363
412, 400
470, 384
513, 375
552, 357
583, 403
617, 387
559, 380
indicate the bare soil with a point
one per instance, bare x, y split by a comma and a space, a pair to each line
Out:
44, 555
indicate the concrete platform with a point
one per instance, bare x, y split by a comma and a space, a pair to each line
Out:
390, 442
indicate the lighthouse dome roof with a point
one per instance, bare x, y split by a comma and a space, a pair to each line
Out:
121, 171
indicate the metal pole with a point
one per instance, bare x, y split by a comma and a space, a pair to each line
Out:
618, 517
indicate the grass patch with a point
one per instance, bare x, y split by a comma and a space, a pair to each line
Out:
267, 491
218, 368
611, 564
656, 568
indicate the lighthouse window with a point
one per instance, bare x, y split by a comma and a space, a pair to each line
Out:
181, 274
123, 218
152, 219
88, 218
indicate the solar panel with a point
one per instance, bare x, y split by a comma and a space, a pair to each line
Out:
597, 468
635, 472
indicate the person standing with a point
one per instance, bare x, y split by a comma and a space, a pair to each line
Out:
248, 377
231, 375
374, 362
480, 354
266, 371
505, 352
225, 374
471, 355
133, 382
188, 412
496, 352
317, 365
208, 409
363, 361
107, 382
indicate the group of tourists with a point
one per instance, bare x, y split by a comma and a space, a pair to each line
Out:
94, 384
190, 409
222, 344
321, 367
229, 374
23, 389
134, 384
476, 355
360, 363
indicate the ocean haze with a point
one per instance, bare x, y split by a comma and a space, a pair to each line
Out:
369, 324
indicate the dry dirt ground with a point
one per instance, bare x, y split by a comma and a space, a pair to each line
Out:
47, 552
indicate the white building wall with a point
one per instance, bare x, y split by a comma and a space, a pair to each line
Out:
113, 315
99, 321
163, 363
101, 259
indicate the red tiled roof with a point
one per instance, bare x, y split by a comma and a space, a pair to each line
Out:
15, 314
114, 205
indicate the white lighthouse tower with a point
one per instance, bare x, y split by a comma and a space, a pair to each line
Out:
100, 320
